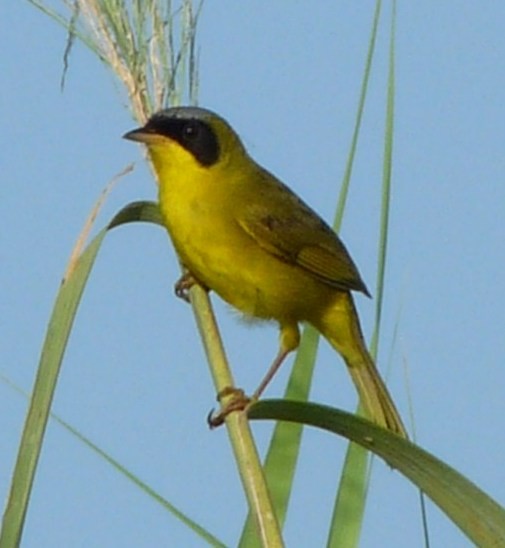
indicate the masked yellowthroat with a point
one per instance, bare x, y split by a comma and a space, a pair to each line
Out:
242, 233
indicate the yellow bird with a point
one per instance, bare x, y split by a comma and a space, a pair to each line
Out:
242, 233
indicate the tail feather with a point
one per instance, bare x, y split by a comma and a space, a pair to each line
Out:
340, 326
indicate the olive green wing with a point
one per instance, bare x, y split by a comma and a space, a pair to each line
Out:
287, 228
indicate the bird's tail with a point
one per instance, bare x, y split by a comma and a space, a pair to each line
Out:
339, 324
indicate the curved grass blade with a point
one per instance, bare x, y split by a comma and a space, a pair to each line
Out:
472, 510
210, 539
55, 343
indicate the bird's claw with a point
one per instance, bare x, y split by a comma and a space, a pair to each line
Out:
183, 285
238, 402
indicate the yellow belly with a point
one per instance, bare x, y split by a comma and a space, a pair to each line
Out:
220, 254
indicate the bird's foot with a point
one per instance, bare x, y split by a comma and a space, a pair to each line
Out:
237, 401
183, 285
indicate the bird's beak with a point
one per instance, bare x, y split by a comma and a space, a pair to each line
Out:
143, 135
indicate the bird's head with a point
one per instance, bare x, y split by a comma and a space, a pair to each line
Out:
188, 137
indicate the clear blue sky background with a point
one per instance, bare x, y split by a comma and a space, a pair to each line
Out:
134, 379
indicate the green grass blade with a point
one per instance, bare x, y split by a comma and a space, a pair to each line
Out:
349, 508
282, 456
344, 189
348, 511
480, 517
47, 375
386, 186
142, 211
58, 332
181, 516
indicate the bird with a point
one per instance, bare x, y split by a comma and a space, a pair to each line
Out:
245, 235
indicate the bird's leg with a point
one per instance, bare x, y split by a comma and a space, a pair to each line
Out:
290, 339
184, 284
279, 359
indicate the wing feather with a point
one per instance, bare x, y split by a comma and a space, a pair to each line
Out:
288, 229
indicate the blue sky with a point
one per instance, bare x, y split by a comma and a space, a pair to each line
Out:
134, 378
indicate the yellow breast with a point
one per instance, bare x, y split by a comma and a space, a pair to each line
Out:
200, 208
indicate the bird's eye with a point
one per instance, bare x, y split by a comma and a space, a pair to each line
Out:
197, 137
190, 131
